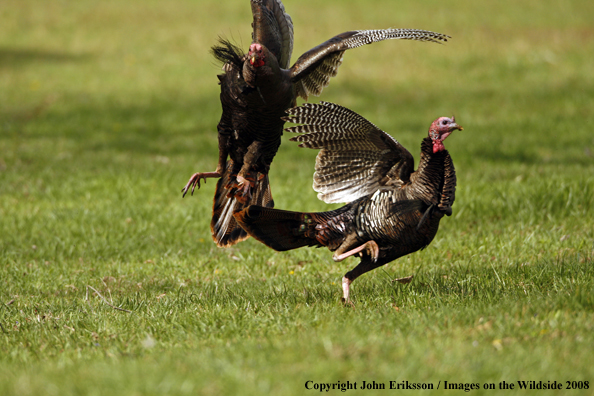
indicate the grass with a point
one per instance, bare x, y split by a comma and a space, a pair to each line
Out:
107, 108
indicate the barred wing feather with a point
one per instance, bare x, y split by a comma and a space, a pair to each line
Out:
355, 156
311, 73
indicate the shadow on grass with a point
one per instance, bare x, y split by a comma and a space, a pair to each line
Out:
566, 283
156, 126
569, 279
21, 57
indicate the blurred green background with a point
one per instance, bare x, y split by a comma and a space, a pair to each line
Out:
106, 109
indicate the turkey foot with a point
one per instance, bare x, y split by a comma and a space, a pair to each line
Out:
346, 283
370, 247
244, 188
195, 181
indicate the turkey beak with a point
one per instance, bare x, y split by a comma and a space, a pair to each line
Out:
454, 126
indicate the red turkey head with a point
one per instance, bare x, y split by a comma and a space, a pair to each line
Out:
440, 129
256, 55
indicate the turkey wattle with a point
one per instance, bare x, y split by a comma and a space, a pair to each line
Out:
392, 210
256, 89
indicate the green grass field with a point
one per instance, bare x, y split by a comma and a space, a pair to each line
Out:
106, 109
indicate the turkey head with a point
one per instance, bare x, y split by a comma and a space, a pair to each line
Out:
259, 66
440, 129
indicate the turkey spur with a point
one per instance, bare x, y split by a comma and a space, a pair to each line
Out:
256, 89
392, 210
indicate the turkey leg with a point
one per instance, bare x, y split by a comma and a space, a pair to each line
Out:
244, 179
346, 283
372, 250
370, 247
223, 153
364, 266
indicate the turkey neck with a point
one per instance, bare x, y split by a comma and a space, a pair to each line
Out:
270, 94
434, 181
272, 82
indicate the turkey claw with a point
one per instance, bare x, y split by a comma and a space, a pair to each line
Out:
372, 250
369, 247
195, 181
347, 303
244, 188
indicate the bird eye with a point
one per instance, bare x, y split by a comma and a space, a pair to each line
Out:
444, 122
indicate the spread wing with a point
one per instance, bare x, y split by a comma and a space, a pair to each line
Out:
273, 28
356, 157
313, 70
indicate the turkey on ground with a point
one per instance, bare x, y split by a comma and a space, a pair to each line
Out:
392, 210
256, 89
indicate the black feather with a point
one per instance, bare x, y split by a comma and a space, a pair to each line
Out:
227, 52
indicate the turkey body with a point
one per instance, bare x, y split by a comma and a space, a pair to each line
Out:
395, 211
251, 125
256, 90
249, 133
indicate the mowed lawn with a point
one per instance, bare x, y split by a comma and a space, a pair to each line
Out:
107, 108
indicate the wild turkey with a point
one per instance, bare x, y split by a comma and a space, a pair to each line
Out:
256, 89
393, 210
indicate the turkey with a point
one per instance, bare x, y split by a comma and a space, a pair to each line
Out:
256, 89
392, 210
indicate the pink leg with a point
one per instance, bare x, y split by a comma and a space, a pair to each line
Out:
195, 180
346, 283
370, 246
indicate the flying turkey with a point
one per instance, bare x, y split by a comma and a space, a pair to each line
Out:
392, 210
256, 89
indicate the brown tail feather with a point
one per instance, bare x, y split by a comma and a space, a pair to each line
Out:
225, 230
279, 229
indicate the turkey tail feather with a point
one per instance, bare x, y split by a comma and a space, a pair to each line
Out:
224, 228
278, 229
